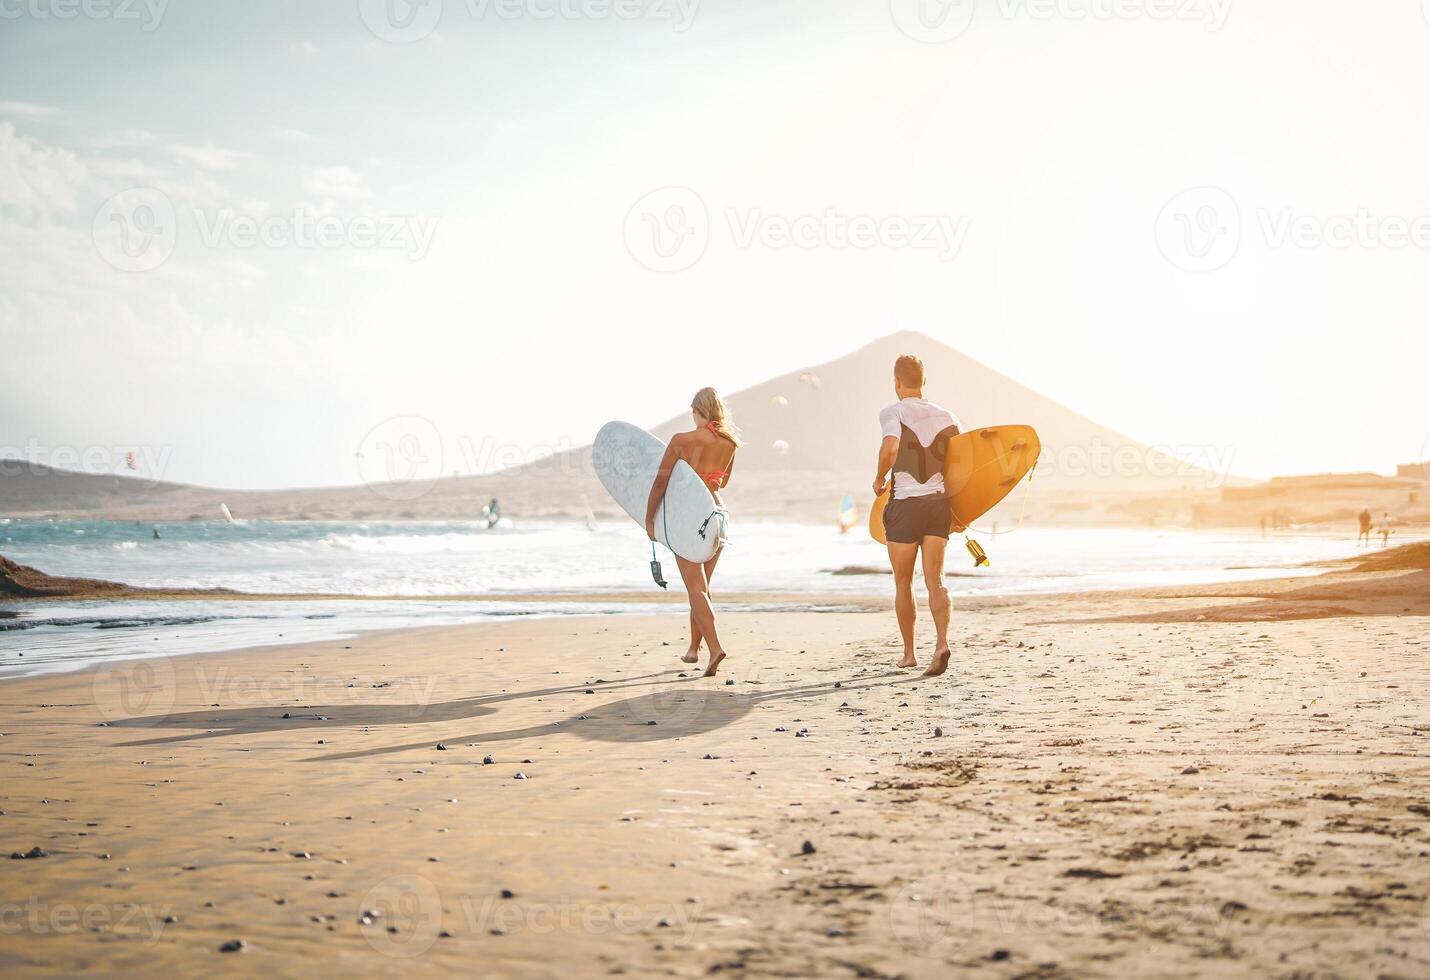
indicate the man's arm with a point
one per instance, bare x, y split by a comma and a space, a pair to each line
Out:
888, 452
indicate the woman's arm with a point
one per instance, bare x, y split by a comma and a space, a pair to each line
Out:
729, 472
657, 489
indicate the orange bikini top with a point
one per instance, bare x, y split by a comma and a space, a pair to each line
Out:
717, 475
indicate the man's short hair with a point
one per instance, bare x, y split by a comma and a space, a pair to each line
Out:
909, 371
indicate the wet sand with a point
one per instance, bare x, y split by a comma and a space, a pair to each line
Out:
1214, 782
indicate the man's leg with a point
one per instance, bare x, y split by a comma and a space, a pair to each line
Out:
934, 549
902, 558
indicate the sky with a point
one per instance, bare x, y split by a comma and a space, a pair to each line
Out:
257, 244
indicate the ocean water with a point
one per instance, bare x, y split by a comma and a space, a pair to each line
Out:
568, 562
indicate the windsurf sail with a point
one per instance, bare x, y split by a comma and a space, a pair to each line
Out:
227, 514
848, 514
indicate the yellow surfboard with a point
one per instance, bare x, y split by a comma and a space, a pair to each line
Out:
984, 467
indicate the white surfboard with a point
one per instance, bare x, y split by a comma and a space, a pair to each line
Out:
627, 459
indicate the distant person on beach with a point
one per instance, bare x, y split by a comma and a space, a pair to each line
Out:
1385, 530
915, 451
1365, 520
710, 450
493, 510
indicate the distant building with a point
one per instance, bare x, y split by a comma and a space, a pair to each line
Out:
1414, 471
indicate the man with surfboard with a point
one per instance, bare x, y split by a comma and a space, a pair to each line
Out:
916, 433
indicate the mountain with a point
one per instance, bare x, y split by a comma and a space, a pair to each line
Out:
811, 437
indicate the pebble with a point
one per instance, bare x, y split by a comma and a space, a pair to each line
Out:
508, 893
488, 761
441, 747
520, 775
806, 848
233, 946
31, 854
1190, 771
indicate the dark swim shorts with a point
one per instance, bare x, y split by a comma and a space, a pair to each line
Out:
912, 519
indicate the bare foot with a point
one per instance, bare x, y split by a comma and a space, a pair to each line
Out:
691, 657
908, 661
940, 663
715, 659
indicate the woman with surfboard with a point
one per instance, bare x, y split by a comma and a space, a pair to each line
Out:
709, 450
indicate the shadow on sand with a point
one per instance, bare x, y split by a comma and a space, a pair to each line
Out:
676, 707
260, 718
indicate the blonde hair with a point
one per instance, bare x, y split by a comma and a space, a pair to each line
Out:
709, 404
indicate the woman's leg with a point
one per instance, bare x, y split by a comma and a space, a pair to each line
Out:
698, 588
692, 654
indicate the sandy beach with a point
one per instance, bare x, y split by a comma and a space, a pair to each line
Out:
1224, 781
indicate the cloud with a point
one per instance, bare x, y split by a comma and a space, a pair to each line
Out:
294, 136
124, 138
208, 156
26, 110
339, 181
37, 180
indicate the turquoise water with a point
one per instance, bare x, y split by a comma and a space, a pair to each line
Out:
567, 560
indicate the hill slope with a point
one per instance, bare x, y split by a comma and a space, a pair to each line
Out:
826, 415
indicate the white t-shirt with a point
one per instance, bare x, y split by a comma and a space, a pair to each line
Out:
926, 420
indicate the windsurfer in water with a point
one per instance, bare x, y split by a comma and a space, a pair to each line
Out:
710, 450
915, 451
